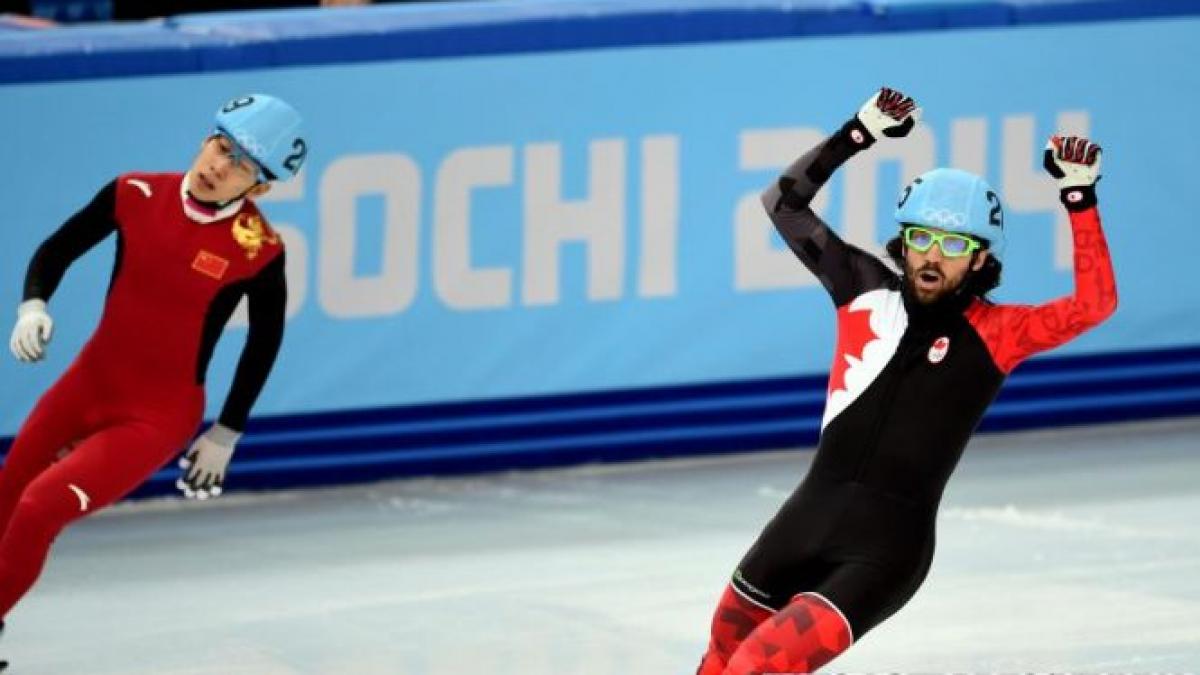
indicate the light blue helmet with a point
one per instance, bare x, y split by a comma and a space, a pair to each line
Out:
268, 130
955, 201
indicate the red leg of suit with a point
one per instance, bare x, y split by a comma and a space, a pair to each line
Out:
799, 638
100, 470
40, 494
734, 619
54, 423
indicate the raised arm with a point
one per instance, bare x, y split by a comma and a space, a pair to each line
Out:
1016, 332
844, 269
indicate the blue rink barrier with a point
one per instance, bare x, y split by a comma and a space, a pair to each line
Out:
354, 446
460, 438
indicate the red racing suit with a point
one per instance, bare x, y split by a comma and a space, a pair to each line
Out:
134, 395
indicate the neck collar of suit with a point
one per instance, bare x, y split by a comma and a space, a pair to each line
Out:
206, 212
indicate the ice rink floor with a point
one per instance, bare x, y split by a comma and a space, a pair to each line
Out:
1058, 551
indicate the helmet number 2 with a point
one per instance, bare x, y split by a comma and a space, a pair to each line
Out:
996, 215
293, 161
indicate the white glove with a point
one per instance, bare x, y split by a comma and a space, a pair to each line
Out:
1073, 160
205, 463
889, 113
32, 332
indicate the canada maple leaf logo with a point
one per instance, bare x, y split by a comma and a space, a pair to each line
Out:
869, 330
854, 334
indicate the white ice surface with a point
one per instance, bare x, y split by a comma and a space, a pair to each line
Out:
1073, 550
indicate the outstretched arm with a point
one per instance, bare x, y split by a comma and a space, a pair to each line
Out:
842, 268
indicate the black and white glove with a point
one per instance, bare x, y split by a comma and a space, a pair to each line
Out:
1074, 162
32, 332
205, 463
887, 113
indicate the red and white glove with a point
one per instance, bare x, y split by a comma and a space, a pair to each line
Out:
1074, 162
889, 113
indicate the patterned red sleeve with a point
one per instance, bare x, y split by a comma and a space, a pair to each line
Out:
1013, 333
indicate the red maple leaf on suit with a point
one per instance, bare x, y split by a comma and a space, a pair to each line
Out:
854, 332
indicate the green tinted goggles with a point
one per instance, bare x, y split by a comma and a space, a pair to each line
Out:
953, 245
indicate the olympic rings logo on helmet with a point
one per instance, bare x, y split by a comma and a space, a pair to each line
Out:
268, 130
944, 218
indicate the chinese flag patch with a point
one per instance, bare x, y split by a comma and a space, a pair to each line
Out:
210, 265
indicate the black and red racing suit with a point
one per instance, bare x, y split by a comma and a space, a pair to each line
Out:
908, 386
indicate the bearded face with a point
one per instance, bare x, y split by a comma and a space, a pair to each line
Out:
931, 275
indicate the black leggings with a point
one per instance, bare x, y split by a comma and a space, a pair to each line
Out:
864, 550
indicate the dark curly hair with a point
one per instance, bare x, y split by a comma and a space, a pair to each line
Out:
977, 283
